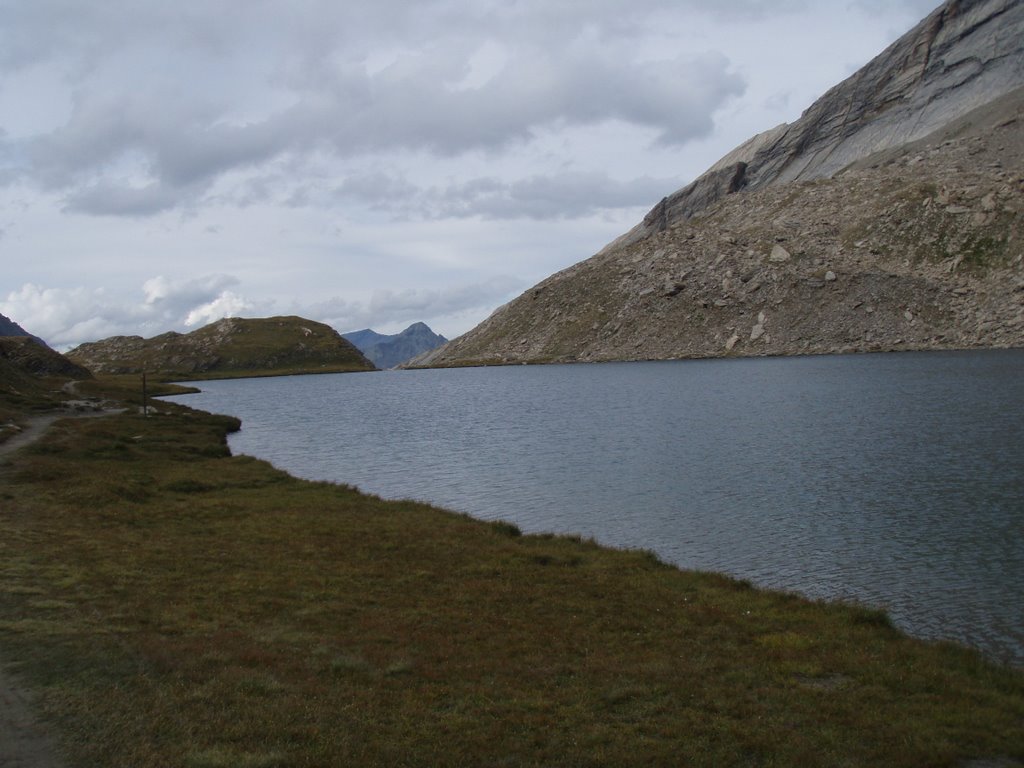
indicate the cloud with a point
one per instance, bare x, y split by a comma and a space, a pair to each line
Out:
570, 195
66, 317
249, 91
227, 304
387, 308
107, 199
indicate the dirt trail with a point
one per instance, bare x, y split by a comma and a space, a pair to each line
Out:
24, 741
33, 430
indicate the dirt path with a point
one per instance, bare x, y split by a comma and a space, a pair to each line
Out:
24, 741
34, 429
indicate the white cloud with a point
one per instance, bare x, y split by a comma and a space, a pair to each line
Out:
228, 304
66, 317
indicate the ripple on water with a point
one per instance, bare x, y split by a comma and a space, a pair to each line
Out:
893, 480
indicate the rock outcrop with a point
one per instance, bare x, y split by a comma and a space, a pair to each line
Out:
888, 217
962, 56
390, 351
230, 347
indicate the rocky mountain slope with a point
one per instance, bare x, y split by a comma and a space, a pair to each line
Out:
888, 217
389, 351
227, 348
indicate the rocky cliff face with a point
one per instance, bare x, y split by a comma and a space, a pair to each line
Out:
229, 347
389, 351
888, 217
962, 56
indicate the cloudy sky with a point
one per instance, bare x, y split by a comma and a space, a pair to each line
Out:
165, 164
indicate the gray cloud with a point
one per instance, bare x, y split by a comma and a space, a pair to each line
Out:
106, 199
137, 141
431, 305
569, 195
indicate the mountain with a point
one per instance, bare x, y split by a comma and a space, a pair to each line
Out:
228, 348
30, 378
889, 216
22, 353
390, 351
10, 328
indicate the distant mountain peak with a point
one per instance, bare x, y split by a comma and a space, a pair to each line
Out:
390, 351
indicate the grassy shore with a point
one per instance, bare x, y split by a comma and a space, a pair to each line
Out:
176, 606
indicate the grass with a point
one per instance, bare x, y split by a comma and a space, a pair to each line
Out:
229, 348
176, 606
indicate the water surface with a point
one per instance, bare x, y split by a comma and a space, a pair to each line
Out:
895, 480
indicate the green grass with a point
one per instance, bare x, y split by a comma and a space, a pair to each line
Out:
176, 606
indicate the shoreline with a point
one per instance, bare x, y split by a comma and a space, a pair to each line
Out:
212, 592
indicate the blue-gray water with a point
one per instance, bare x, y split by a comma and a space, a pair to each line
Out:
893, 480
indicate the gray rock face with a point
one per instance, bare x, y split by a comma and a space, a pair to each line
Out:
963, 55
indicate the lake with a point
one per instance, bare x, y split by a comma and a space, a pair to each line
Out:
895, 480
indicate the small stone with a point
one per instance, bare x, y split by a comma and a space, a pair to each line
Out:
731, 342
957, 209
988, 202
756, 332
779, 255
909, 316
830, 276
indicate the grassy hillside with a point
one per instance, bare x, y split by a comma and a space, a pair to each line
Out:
228, 348
175, 606
31, 376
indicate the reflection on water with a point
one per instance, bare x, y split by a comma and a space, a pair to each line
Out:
896, 480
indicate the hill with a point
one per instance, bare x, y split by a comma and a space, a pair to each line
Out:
888, 217
232, 347
31, 376
389, 351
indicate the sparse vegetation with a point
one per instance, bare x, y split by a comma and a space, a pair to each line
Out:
229, 348
174, 605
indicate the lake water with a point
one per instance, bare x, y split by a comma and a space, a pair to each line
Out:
895, 480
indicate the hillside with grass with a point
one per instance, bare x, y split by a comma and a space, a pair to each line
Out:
31, 378
227, 348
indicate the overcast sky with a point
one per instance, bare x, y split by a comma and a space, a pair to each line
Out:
165, 164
